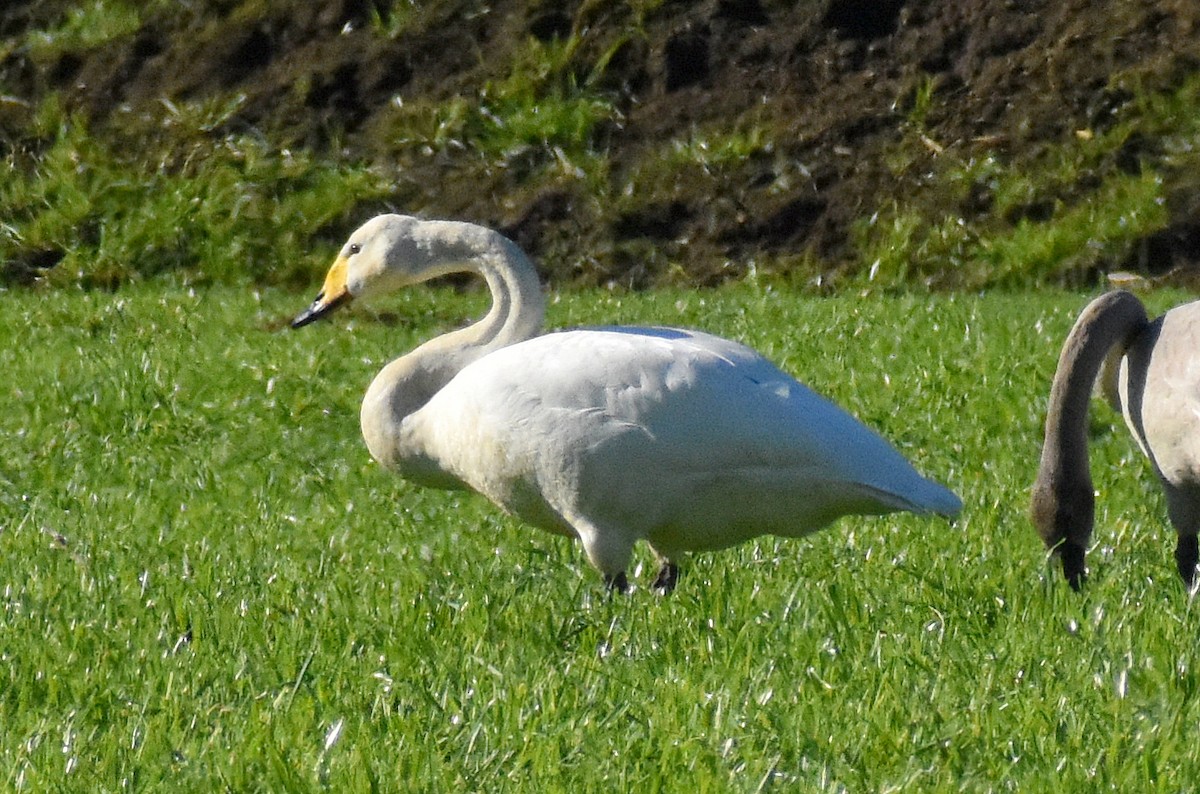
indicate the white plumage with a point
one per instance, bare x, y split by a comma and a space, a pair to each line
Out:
611, 434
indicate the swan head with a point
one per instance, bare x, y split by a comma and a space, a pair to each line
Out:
386, 253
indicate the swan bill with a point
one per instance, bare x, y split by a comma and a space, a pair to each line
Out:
320, 307
333, 294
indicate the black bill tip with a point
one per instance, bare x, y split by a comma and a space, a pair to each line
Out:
307, 316
319, 308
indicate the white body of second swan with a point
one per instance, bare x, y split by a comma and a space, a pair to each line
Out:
611, 435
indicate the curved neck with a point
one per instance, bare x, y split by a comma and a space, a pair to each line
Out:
1062, 492
517, 303
518, 306
516, 314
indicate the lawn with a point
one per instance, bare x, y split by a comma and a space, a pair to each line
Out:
207, 584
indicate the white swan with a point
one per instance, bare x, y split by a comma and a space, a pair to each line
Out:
611, 435
1151, 373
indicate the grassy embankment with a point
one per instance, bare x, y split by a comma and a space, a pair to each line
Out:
190, 193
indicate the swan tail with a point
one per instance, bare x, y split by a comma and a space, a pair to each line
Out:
936, 499
916, 494
923, 497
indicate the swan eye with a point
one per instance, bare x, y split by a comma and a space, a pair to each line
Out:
354, 248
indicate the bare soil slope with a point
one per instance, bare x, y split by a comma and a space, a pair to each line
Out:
835, 83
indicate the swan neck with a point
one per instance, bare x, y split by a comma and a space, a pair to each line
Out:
515, 315
1107, 324
1062, 493
518, 306
405, 385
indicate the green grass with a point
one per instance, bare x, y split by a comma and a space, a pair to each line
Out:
715, 151
207, 584
84, 26
188, 188
1099, 229
208, 207
543, 122
977, 216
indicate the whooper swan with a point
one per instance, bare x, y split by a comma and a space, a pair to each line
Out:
1151, 373
612, 434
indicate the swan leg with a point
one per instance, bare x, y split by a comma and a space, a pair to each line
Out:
1183, 508
617, 583
1187, 554
609, 551
668, 577
1072, 555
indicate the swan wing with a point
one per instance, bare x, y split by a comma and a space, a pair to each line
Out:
663, 426
1169, 394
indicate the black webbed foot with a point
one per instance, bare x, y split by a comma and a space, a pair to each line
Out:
617, 583
668, 577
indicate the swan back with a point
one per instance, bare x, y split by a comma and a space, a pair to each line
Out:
679, 434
